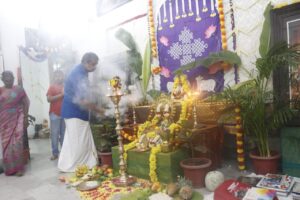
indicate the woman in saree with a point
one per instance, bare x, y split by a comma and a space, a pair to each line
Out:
14, 106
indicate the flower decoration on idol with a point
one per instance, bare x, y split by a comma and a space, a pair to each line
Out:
115, 83
181, 87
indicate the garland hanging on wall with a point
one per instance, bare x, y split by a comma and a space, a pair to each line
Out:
239, 139
222, 23
236, 75
152, 30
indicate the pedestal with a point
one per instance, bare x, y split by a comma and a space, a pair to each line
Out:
168, 164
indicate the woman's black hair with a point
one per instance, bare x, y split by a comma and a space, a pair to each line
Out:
6, 73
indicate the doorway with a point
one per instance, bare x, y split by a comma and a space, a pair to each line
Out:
285, 26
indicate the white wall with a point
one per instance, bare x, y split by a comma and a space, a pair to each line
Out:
248, 20
88, 32
12, 35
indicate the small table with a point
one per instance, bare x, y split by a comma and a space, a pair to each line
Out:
207, 141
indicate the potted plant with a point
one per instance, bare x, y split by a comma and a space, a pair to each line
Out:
104, 149
194, 168
105, 138
261, 109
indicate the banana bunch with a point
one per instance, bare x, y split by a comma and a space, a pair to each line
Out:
81, 170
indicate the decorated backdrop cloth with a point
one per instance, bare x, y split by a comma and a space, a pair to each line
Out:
78, 146
188, 30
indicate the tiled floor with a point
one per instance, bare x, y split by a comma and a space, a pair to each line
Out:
40, 181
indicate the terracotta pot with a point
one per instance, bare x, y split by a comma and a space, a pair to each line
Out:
264, 165
105, 158
195, 169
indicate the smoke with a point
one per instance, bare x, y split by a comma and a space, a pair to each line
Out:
107, 69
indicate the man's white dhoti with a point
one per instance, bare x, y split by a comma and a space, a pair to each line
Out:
78, 147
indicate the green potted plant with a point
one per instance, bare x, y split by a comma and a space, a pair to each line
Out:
105, 138
261, 109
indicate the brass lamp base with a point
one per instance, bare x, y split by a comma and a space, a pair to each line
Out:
121, 182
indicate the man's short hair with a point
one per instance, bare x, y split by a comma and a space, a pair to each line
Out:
89, 57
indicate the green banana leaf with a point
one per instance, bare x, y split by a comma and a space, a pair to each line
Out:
146, 69
134, 58
265, 36
155, 94
135, 61
126, 38
225, 56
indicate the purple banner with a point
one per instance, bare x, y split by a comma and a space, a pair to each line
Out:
188, 30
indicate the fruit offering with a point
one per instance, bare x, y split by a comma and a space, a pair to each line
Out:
81, 170
102, 172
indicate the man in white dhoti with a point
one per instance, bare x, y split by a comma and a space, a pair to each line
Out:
78, 145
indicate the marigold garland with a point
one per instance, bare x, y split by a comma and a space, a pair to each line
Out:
152, 30
127, 147
156, 70
184, 110
128, 136
222, 24
181, 80
174, 127
239, 140
153, 164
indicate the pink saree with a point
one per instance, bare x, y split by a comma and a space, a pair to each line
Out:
12, 129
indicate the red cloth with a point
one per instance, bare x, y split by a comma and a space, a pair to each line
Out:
226, 191
55, 106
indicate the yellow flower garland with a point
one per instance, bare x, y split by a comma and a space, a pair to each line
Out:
147, 124
127, 147
152, 30
152, 163
174, 128
222, 24
184, 110
182, 79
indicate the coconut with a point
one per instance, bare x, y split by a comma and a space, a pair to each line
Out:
172, 188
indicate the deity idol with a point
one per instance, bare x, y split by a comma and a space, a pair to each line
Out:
181, 87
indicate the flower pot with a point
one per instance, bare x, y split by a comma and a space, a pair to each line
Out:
105, 158
264, 165
195, 169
